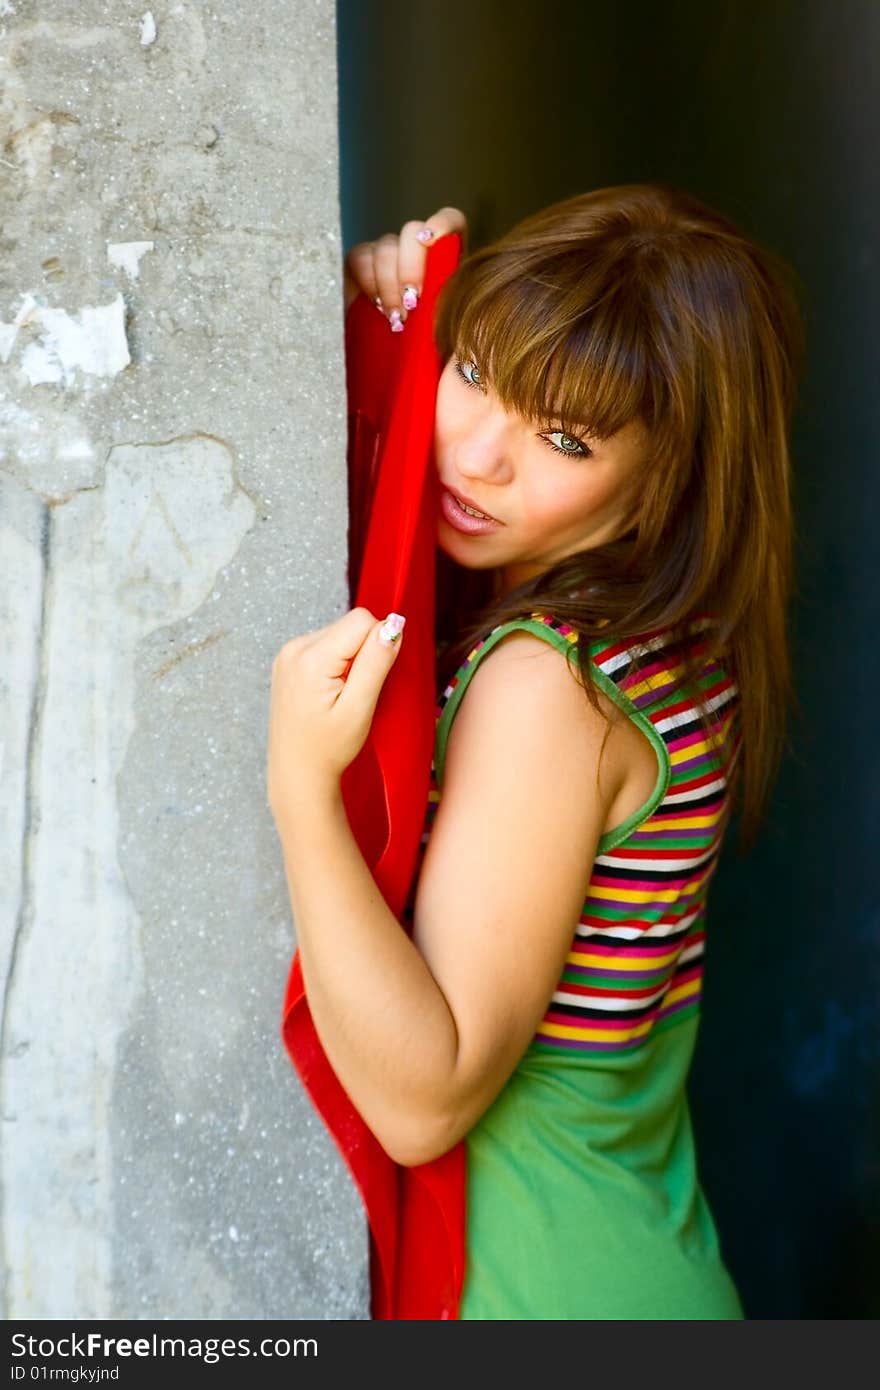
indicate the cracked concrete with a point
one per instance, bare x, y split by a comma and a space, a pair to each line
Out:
172, 509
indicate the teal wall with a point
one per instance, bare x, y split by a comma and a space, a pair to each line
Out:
768, 111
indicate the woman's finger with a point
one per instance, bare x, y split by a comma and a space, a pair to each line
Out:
415, 238
411, 254
343, 639
359, 272
443, 221
385, 263
370, 665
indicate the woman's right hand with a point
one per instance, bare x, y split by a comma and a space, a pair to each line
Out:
392, 269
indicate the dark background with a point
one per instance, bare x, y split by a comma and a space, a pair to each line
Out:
769, 111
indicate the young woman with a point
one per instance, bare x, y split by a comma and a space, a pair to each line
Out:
612, 443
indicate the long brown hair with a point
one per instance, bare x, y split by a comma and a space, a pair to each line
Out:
638, 302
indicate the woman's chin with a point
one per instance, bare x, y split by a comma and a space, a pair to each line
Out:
455, 547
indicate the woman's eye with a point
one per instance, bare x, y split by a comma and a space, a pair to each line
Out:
474, 379
570, 444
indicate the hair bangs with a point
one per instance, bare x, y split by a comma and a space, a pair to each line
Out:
550, 354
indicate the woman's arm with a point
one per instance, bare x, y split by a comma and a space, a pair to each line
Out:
382, 1019
423, 1033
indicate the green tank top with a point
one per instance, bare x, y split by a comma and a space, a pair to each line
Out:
583, 1197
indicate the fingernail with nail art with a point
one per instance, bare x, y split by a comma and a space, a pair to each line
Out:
391, 629
425, 234
410, 297
395, 320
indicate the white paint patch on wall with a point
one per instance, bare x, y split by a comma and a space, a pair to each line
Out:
148, 29
9, 331
142, 551
91, 341
126, 255
50, 452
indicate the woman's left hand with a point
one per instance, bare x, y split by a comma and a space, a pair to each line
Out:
325, 688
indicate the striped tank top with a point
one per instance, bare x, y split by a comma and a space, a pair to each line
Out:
636, 959
583, 1196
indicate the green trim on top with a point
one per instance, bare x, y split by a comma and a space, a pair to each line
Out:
613, 837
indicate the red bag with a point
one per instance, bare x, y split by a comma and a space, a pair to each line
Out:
416, 1215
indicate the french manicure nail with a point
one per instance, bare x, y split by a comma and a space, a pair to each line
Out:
392, 628
410, 297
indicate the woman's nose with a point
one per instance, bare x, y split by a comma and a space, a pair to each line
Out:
486, 450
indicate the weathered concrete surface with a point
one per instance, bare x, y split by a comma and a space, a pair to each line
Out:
172, 509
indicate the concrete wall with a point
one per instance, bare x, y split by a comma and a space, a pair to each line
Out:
172, 509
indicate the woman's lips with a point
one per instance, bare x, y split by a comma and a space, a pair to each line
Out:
462, 520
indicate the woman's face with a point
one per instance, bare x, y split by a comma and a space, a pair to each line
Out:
550, 504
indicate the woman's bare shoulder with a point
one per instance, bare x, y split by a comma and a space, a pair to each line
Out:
526, 682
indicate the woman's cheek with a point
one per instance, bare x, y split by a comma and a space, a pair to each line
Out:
562, 506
